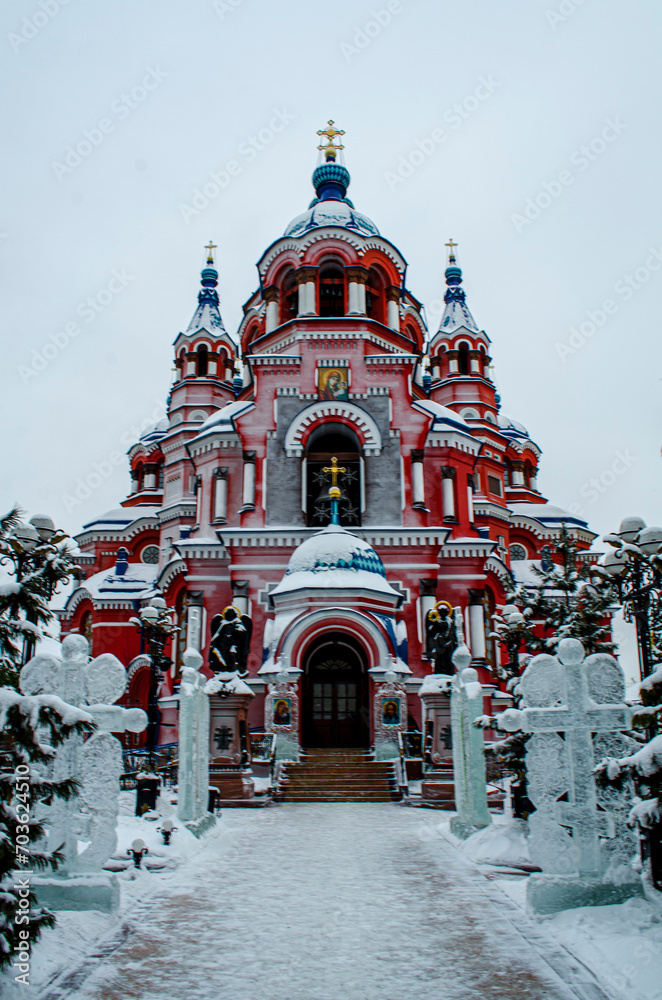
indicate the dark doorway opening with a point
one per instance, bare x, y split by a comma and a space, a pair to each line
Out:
335, 695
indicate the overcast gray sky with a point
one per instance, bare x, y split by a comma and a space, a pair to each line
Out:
459, 119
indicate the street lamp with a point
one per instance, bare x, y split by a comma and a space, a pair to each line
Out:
36, 552
635, 566
156, 627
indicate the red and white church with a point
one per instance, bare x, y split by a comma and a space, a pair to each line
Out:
332, 380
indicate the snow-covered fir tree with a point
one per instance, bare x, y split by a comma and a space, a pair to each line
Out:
37, 558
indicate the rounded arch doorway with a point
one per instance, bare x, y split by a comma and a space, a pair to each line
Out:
335, 694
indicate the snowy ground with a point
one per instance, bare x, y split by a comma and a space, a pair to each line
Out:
341, 902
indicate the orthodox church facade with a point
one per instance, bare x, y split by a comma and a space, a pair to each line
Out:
330, 475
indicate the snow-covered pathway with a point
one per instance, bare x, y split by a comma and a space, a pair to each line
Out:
334, 902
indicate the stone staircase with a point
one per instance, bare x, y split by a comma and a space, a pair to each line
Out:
338, 776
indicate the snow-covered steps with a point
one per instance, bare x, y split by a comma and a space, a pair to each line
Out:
338, 776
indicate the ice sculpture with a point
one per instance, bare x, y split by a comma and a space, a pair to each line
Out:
468, 748
84, 827
193, 771
574, 709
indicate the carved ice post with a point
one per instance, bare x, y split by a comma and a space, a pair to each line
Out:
193, 770
575, 711
468, 749
90, 817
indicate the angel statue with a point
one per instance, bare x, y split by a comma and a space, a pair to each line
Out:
230, 642
440, 637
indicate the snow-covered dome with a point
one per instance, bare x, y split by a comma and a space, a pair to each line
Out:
331, 213
511, 427
155, 432
331, 207
336, 558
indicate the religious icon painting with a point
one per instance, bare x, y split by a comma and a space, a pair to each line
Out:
390, 712
333, 383
283, 712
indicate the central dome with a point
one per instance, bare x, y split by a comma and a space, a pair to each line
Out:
331, 213
334, 558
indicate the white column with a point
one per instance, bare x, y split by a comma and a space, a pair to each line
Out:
198, 500
190, 367
533, 480
518, 474
221, 495
248, 494
448, 494
477, 631
417, 479
393, 313
470, 502
306, 279
271, 298
149, 481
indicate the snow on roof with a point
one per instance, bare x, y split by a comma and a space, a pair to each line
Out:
331, 213
206, 317
334, 558
223, 420
442, 415
457, 315
546, 513
513, 428
119, 518
137, 579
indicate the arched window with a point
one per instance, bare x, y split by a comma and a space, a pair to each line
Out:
203, 359
517, 552
333, 440
463, 359
289, 297
331, 290
181, 363
374, 296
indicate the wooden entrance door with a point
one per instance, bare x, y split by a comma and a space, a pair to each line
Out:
335, 704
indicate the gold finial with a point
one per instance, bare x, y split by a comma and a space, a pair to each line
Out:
451, 250
335, 471
330, 148
210, 247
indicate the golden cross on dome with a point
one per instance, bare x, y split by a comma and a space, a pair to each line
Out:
330, 148
451, 249
335, 472
210, 247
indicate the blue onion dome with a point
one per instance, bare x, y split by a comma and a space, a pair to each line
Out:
510, 427
331, 181
155, 432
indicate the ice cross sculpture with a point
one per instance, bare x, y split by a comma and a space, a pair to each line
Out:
89, 819
193, 772
468, 748
568, 699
